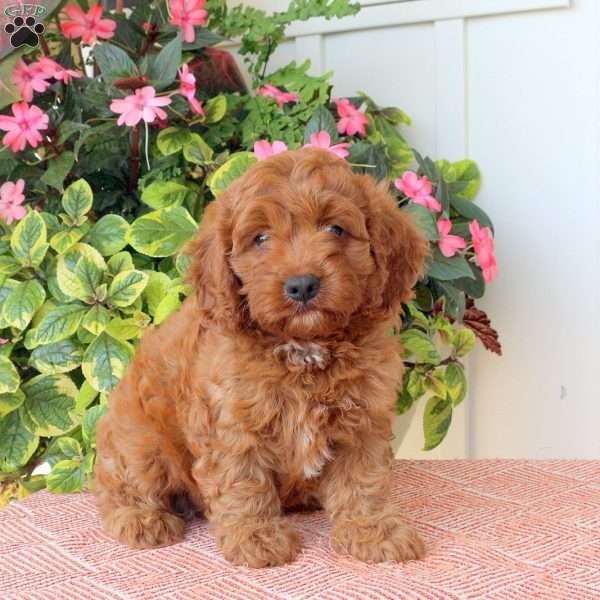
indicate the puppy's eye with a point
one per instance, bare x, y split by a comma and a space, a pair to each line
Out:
260, 239
335, 229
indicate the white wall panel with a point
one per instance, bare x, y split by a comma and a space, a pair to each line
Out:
533, 127
399, 71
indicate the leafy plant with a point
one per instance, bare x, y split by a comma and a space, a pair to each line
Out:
93, 257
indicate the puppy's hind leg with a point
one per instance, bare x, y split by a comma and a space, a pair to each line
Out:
137, 476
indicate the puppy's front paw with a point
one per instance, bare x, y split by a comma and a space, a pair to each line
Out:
144, 527
258, 544
377, 539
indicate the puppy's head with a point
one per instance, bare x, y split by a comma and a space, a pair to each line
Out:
299, 246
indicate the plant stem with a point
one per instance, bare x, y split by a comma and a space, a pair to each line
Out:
81, 58
135, 158
44, 44
119, 6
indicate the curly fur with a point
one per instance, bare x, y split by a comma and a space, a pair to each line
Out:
243, 404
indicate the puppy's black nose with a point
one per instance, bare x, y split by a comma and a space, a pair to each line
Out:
302, 288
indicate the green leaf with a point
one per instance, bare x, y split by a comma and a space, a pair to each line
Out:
6, 287
28, 240
463, 341
455, 299
162, 194
456, 382
446, 269
126, 287
17, 444
164, 68
121, 261
172, 139
114, 63
59, 357
215, 109
63, 240
373, 155
10, 402
465, 172
50, 404
166, 308
203, 38
69, 447
236, 166
53, 287
86, 395
124, 329
96, 319
90, 421
8, 266
162, 232
105, 361
475, 288
182, 264
321, 120
471, 211
404, 401
60, 323
416, 343
58, 169
67, 476
22, 303
436, 421
109, 234
77, 200
156, 290
415, 384
9, 376
197, 151
436, 383
424, 220
79, 272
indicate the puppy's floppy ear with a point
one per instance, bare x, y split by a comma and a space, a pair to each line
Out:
398, 247
215, 284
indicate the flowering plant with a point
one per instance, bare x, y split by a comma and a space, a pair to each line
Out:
116, 136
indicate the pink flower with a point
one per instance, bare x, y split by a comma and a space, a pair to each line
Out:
30, 78
323, 140
11, 200
449, 244
141, 105
88, 26
3, 341
483, 245
263, 149
418, 190
352, 121
278, 95
24, 127
186, 14
58, 72
187, 88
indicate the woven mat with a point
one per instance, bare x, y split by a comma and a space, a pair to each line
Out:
494, 529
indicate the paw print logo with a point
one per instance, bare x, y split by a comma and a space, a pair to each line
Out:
24, 32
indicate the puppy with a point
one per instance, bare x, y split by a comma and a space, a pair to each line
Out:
274, 385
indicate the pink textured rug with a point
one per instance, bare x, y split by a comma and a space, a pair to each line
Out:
495, 529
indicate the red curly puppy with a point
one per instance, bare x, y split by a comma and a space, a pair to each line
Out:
274, 385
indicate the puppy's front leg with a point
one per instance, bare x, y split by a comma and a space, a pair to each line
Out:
355, 494
244, 510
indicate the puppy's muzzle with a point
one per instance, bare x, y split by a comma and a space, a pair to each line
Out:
302, 288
